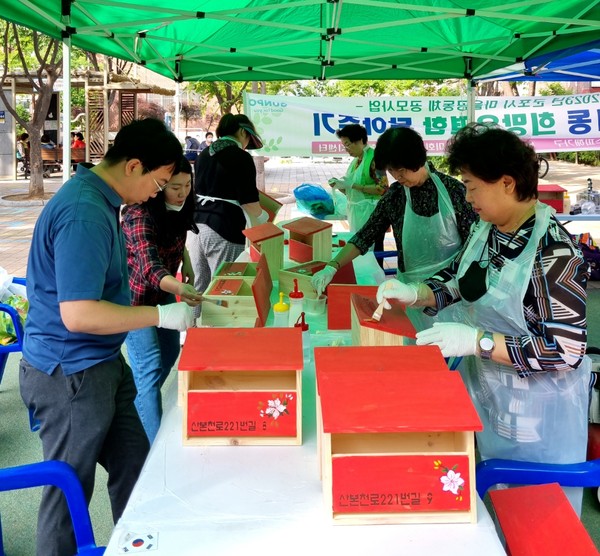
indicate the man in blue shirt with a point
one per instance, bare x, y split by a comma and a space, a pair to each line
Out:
73, 374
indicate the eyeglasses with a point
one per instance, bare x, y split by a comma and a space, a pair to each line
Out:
160, 188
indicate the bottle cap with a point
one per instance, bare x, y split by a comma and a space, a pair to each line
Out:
301, 323
296, 294
281, 306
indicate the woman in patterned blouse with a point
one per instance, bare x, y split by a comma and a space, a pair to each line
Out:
426, 209
155, 234
522, 285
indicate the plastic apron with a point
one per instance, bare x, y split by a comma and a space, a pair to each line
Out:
429, 244
540, 418
360, 206
203, 199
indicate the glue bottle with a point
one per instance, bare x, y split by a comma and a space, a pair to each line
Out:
296, 303
301, 323
281, 312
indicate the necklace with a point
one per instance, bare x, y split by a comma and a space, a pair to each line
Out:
515, 228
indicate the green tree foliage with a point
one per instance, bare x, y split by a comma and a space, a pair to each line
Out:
39, 58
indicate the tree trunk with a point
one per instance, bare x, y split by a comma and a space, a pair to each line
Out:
36, 179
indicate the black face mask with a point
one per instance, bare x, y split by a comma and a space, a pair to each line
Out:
472, 285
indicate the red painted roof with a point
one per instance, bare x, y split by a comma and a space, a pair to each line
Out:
259, 233
391, 389
252, 349
307, 225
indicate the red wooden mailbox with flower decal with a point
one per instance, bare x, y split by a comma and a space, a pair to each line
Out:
396, 431
242, 386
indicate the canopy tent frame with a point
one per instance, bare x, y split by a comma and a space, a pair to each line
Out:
315, 39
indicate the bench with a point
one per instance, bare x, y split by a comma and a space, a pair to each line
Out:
539, 519
51, 161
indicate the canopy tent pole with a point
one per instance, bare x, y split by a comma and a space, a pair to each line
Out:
471, 97
66, 110
177, 107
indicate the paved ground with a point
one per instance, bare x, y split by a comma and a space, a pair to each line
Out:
17, 219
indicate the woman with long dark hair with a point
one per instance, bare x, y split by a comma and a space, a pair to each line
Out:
155, 234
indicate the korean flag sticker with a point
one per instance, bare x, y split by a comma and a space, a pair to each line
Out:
134, 543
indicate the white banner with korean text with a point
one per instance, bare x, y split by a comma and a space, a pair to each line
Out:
305, 126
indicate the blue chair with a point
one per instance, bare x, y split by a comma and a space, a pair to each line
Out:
380, 255
493, 471
16, 346
62, 476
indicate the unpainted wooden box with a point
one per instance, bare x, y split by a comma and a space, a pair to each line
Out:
238, 301
266, 239
310, 240
242, 386
396, 436
393, 329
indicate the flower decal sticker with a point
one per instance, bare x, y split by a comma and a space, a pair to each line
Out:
451, 480
275, 407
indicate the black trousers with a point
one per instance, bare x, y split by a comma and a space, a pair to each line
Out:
86, 418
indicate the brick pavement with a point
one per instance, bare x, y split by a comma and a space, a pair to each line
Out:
282, 175
17, 219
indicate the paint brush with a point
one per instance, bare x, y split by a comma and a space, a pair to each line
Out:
377, 314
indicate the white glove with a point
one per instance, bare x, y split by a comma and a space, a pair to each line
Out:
454, 339
320, 280
339, 183
175, 316
394, 289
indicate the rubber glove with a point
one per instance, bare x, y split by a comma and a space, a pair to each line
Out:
454, 339
339, 183
189, 294
175, 316
394, 289
320, 279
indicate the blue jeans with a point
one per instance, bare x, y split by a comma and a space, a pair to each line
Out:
152, 353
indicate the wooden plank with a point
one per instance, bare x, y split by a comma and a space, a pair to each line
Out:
539, 519
306, 226
397, 400
262, 232
228, 269
300, 251
394, 320
270, 205
338, 303
261, 289
393, 483
242, 348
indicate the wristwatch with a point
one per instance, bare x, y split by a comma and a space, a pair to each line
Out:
486, 346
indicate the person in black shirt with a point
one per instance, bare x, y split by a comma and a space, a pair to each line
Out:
226, 197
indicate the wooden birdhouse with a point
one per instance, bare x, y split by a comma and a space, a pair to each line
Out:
242, 386
393, 329
266, 239
396, 436
304, 273
310, 239
238, 300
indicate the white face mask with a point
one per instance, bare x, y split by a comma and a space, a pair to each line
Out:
175, 208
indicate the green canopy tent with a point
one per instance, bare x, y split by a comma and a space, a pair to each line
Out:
239, 40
